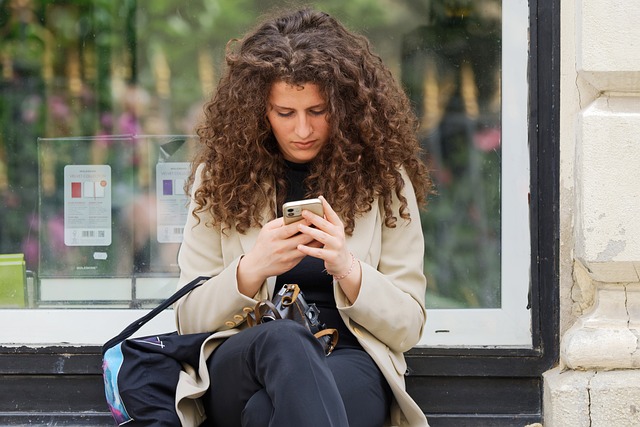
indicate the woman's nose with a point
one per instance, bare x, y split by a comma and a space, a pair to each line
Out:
303, 127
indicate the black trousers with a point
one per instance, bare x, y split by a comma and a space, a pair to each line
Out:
276, 374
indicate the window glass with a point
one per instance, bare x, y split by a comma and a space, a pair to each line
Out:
99, 99
451, 70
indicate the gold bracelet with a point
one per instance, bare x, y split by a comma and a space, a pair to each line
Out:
353, 263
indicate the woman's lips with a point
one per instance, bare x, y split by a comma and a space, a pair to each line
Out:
304, 144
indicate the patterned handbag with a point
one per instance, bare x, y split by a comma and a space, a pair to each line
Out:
290, 304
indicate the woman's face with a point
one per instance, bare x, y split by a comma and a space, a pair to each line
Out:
298, 118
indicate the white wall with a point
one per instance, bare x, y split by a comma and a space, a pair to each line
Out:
608, 130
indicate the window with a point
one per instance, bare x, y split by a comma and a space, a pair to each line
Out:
477, 229
98, 99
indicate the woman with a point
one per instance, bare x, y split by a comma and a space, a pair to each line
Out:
304, 110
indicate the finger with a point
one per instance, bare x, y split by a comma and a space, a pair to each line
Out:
329, 213
315, 244
289, 230
317, 220
311, 218
315, 233
312, 251
302, 239
274, 223
332, 225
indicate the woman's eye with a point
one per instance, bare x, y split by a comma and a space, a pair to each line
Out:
317, 112
281, 114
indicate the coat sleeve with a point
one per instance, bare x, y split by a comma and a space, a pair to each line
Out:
217, 305
391, 302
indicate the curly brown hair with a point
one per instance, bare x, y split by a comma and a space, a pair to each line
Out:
372, 126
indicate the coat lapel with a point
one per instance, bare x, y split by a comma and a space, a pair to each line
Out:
248, 241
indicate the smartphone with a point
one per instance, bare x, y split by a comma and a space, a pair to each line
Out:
292, 211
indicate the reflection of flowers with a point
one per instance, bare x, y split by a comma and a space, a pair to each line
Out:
487, 139
58, 108
30, 244
55, 228
106, 123
128, 124
30, 109
134, 105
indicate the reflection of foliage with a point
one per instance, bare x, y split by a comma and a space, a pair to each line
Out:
450, 70
21, 103
192, 37
462, 235
102, 67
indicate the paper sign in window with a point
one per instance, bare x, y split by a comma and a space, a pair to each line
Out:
87, 205
171, 200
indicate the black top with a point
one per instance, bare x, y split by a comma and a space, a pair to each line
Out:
309, 274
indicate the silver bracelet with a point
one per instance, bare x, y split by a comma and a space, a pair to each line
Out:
353, 263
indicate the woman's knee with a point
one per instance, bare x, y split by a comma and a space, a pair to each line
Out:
284, 331
286, 335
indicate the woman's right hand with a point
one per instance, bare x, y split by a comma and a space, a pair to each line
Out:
275, 252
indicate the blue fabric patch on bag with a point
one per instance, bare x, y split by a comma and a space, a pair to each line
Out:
111, 364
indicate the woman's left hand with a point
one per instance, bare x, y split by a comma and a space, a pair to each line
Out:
330, 246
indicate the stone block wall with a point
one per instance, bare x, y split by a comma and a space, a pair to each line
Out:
597, 383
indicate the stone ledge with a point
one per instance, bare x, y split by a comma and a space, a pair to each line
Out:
612, 82
589, 276
591, 398
607, 334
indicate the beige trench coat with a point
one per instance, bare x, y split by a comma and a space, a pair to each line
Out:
387, 318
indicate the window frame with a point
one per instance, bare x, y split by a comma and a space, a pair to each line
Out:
509, 323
